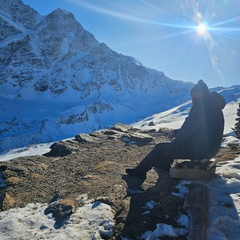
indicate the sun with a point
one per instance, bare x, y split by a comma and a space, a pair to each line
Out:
202, 29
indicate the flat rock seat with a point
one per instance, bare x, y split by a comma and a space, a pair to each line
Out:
193, 169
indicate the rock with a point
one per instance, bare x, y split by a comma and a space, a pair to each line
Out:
188, 169
151, 124
85, 138
97, 134
62, 148
6, 201
121, 127
196, 206
105, 200
112, 132
137, 138
61, 211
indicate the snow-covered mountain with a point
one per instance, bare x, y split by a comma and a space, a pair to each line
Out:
57, 80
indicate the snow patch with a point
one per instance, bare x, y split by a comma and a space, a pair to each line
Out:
30, 222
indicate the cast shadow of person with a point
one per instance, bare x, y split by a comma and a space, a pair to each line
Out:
138, 219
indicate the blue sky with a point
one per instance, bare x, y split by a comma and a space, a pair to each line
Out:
186, 39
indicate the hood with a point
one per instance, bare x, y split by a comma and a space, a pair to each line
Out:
218, 99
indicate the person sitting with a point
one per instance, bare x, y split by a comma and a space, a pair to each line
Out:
199, 137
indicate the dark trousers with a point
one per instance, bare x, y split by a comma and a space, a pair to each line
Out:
163, 155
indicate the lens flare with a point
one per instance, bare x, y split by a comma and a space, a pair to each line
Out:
201, 24
202, 29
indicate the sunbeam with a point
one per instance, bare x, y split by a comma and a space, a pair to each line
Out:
196, 25
226, 21
125, 16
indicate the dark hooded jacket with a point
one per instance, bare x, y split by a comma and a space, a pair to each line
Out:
202, 130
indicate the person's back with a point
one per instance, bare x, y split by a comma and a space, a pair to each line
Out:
203, 129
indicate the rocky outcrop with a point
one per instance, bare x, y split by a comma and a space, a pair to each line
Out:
122, 132
92, 166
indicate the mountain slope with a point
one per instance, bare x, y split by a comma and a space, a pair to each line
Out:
57, 80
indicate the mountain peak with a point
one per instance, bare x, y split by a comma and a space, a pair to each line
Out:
60, 11
62, 18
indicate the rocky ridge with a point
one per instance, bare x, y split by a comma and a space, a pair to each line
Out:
93, 164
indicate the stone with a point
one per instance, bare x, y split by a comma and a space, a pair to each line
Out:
151, 124
121, 127
59, 149
6, 201
62, 148
187, 169
84, 138
61, 211
196, 206
137, 138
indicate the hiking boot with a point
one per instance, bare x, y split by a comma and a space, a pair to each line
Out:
136, 173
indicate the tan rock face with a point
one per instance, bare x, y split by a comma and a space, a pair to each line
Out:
6, 201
